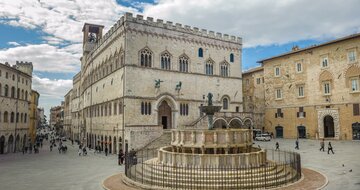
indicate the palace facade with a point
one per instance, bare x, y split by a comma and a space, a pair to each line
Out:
15, 92
145, 76
314, 92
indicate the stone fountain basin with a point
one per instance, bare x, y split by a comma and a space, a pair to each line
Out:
210, 110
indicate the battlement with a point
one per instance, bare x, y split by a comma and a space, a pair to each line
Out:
166, 25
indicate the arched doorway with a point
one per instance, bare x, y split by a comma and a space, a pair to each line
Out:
2, 145
279, 132
10, 144
17, 143
110, 145
356, 131
301, 131
329, 131
220, 124
248, 124
235, 123
164, 115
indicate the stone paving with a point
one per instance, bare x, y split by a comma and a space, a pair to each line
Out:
346, 152
54, 171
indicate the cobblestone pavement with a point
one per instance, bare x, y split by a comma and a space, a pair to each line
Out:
54, 171
346, 152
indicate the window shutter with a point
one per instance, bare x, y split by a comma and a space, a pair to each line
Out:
275, 115
297, 114
282, 115
356, 109
304, 114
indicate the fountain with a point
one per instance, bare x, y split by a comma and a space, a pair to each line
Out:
213, 159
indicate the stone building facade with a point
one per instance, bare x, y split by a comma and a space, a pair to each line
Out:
57, 118
15, 89
314, 92
67, 114
254, 95
77, 127
33, 112
144, 76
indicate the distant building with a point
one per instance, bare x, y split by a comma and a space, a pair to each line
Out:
15, 92
67, 115
314, 92
57, 118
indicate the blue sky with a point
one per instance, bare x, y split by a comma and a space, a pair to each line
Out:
48, 32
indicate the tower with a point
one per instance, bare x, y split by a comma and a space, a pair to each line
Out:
92, 33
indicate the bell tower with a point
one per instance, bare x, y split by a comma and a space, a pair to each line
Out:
92, 33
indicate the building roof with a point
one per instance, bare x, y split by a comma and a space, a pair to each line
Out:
253, 70
312, 47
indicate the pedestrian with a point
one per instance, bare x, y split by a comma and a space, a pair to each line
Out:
121, 157
84, 151
297, 144
51, 146
23, 150
79, 152
322, 145
95, 149
106, 151
277, 146
330, 148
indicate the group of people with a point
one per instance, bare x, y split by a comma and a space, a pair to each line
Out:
322, 146
82, 150
99, 149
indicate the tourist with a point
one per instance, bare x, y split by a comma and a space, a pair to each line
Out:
322, 145
79, 152
277, 146
51, 146
23, 150
330, 148
84, 151
106, 151
121, 157
297, 144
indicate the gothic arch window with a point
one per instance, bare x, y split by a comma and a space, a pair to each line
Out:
184, 64
145, 57
165, 61
115, 108
6, 90
225, 103
17, 117
25, 118
12, 116
209, 67
200, 52
13, 92
22, 94
26, 95
21, 117
0, 89
6, 117
231, 57
224, 69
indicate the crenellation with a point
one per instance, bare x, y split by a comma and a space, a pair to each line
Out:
211, 33
226, 36
128, 16
233, 38
204, 32
139, 17
150, 19
218, 35
187, 27
179, 26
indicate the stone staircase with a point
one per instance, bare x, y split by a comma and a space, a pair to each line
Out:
150, 150
153, 174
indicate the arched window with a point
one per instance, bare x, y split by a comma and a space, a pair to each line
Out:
225, 103
115, 108
12, 117
142, 108
18, 93
105, 107
165, 61
13, 77
110, 109
17, 117
6, 117
21, 117
145, 57
22, 94
200, 52
0, 89
231, 57
6, 90
209, 67
224, 69
183, 64
13, 92
25, 118
26, 95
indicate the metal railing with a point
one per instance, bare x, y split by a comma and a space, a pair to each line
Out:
282, 168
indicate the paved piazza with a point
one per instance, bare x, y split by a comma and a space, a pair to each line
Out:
52, 171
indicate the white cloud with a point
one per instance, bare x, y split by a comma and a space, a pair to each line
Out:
51, 91
13, 43
264, 22
44, 57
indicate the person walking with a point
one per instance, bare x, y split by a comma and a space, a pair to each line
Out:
297, 144
121, 157
330, 148
277, 146
106, 151
51, 146
322, 145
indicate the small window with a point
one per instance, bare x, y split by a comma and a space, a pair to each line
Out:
277, 71
184, 64
237, 109
355, 85
301, 113
279, 113
13, 77
301, 91
327, 90
258, 81
278, 94
356, 109
165, 61
184, 109
200, 52
145, 108
351, 56
299, 67
325, 62
225, 104
7, 75
231, 57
